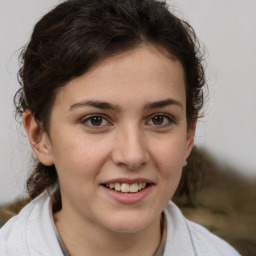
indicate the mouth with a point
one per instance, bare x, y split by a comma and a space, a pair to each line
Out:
127, 188
128, 191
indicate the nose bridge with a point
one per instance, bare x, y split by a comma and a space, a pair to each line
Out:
130, 147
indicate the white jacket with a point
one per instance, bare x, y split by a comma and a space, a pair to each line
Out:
31, 233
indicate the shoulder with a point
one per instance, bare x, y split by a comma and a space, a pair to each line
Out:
28, 232
27, 214
195, 237
206, 241
13, 233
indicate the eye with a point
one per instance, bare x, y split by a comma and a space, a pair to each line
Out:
161, 120
95, 121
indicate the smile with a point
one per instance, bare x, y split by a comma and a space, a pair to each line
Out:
128, 191
127, 188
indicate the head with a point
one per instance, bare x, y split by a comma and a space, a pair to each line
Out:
83, 39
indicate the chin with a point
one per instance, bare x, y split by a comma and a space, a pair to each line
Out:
131, 223
128, 229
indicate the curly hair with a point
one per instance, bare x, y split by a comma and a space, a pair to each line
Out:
69, 40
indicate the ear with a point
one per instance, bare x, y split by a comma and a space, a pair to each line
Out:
190, 139
38, 139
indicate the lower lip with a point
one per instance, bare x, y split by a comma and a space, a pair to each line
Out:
128, 198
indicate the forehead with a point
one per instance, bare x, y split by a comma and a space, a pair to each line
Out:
139, 75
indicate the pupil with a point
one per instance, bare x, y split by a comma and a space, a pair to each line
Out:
96, 121
158, 120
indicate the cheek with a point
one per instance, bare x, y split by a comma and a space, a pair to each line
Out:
77, 168
79, 158
169, 158
170, 167
169, 154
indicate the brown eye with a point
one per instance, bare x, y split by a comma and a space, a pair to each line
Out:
161, 120
96, 120
158, 120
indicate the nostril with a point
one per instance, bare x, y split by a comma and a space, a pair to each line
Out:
130, 150
131, 167
130, 163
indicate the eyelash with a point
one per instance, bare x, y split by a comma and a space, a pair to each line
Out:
88, 120
170, 120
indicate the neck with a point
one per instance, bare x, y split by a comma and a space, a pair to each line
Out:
88, 238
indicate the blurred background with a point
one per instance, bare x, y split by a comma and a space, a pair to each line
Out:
228, 30
225, 137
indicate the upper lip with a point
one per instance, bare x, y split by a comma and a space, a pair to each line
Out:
128, 181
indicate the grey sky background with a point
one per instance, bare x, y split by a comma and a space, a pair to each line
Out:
228, 130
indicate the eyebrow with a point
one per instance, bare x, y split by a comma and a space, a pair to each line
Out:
109, 106
95, 104
163, 103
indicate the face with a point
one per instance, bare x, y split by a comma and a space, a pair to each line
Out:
121, 126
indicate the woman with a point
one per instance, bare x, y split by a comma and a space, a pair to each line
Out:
110, 94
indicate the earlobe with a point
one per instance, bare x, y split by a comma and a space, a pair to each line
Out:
38, 139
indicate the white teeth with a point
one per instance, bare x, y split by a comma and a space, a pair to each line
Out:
126, 188
134, 188
117, 187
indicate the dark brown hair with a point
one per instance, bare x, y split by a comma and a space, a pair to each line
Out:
74, 36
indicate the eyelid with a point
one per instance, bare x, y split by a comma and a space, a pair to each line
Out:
170, 118
88, 117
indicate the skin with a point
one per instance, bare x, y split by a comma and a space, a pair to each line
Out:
126, 144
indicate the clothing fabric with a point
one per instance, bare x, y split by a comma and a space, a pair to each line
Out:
31, 233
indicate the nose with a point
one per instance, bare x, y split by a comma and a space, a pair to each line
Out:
130, 148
